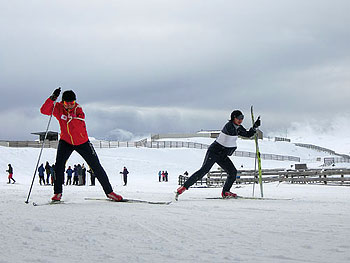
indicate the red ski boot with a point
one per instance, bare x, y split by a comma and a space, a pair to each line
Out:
114, 197
227, 194
56, 197
179, 191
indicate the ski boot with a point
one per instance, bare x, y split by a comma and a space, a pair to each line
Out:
56, 198
179, 191
228, 194
114, 197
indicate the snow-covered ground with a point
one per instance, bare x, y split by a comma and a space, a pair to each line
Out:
312, 227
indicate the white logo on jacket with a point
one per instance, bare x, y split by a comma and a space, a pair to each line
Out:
64, 117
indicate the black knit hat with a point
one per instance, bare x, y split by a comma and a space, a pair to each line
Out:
237, 114
68, 95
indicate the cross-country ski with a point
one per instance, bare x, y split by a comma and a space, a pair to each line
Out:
131, 201
250, 198
49, 203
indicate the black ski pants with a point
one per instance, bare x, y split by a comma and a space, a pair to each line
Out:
42, 178
210, 159
87, 151
69, 180
125, 177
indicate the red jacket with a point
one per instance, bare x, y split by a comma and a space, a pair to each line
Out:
72, 122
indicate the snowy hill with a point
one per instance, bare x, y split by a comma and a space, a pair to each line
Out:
314, 222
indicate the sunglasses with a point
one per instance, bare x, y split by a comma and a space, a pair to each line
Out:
69, 103
240, 117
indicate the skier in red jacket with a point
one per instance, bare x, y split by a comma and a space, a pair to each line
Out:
73, 137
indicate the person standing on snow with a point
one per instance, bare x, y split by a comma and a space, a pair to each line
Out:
125, 173
53, 173
83, 169
92, 176
219, 152
48, 172
75, 176
73, 137
80, 174
10, 177
41, 171
69, 175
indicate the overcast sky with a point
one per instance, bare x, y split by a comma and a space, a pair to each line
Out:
141, 67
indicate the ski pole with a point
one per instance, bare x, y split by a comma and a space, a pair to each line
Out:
42, 147
257, 153
254, 174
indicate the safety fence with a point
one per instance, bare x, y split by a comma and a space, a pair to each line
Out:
30, 144
180, 144
309, 176
151, 144
336, 157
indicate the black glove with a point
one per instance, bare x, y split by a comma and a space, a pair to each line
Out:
55, 94
257, 123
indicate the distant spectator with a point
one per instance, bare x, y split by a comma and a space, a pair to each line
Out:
52, 172
69, 175
41, 171
163, 176
48, 172
160, 176
80, 174
125, 173
83, 169
10, 177
166, 176
75, 176
92, 176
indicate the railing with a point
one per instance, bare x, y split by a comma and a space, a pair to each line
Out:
152, 144
310, 176
341, 158
31, 144
175, 144
267, 156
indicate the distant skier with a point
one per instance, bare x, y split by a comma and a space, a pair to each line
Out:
219, 152
73, 137
41, 171
125, 173
160, 176
10, 177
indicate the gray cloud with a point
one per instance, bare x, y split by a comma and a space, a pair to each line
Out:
173, 66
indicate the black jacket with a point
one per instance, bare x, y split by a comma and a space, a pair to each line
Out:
225, 143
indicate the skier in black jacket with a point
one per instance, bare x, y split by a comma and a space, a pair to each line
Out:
219, 152
125, 173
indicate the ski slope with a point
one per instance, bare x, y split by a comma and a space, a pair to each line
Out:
312, 227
